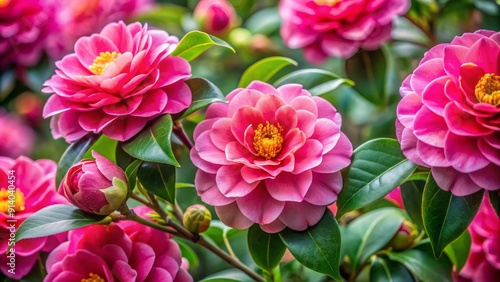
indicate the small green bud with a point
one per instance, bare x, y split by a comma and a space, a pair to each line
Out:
405, 237
197, 219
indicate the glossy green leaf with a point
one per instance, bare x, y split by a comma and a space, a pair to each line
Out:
369, 233
316, 81
204, 93
458, 251
266, 249
445, 215
369, 69
378, 166
131, 173
495, 201
264, 69
158, 179
153, 143
412, 193
265, 21
423, 265
105, 146
196, 42
73, 154
385, 270
318, 247
123, 160
56, 219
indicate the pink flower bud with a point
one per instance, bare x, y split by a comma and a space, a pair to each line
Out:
216, 17
405, 237
96, 186
197, 218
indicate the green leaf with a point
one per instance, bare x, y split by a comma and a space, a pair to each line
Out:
266, 249
105, 146
196, 42
73, 154
368, 69
265, 21
264, 69
495, 201
383, 270
458, 251
423, 265
378, 166
369, 233
317, 81
131, 173
204, 93
318, 247
123, 160
55, 219
153, 143
445, 215
158, 179
412, 193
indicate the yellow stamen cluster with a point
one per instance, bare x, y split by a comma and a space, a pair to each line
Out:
488, 89
330, 3
102, 61
93, 278
268, 140
16, 200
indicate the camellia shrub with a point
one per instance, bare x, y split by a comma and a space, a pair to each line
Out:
224, 140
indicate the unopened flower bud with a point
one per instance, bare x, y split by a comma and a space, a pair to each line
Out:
96, 186
405, 237
216, 17
197, 218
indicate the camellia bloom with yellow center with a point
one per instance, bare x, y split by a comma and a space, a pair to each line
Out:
115, 82
449, 116
270, 156
26, 186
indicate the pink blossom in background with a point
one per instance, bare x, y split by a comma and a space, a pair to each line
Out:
483, 263
395, 197
449, 116
336, 28
80, 18
16, 138
115, 82
216, 17
125, 251
270, 156
24, 27
35, 190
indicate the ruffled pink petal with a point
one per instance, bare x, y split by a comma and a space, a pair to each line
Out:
432, 156
449, 179
231, 183
299, 216
463, 153
268, 105
289, 91
430, 128
462, 123
305, 103
478, 49
324, 189
245, 98
487, 178
338, 158
232, 216
432, 68
289, 187
326, 132
263, 87
407, 109
259, 206
454, 55
286, 117
221, 133
123, 129
244, 118
308, 156
434, 97
208, 152
273, 227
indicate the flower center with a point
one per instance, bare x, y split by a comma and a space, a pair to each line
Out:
488, 89
102, 61
330, 3
93, 278
267, 140
11, 199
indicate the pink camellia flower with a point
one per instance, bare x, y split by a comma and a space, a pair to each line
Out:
325, 28
26, 186
96, 186
395, 197
449, 116
81, 18
126, 251
483, 263
16, 137
115, 82
270, 156
24, 27
216, 17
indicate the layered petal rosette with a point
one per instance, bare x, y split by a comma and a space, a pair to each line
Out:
26, 186
483, 263
449, 116
326, 28
270, 156
17, 137
115, 82
125, 251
